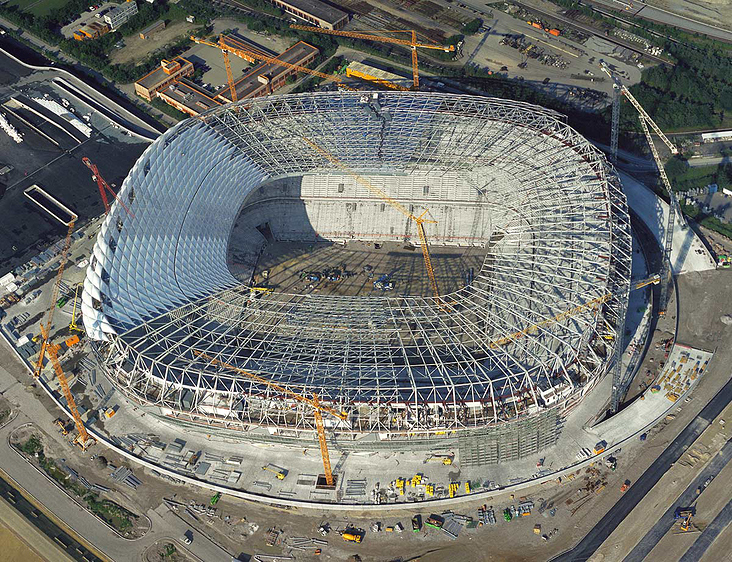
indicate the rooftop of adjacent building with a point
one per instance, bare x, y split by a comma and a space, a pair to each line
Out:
250, 83
159, 74
318, 9
190, 95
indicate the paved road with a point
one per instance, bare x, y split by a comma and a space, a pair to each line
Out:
165, 525
600, 532
685, 499
709, 161
705, 540
660, 15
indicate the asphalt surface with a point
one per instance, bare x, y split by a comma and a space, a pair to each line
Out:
73, 548
663, 16
686, 499
705, 540
166, 526
600, 532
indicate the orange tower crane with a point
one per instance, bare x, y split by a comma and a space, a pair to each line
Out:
376, 36
419, 220
103, 187
314, 402
248, 54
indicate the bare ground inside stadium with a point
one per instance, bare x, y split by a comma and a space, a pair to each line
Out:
364, 268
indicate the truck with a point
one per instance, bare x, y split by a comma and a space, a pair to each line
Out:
352, 535
600, 447
435, 521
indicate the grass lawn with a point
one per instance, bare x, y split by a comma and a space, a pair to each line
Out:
38, 7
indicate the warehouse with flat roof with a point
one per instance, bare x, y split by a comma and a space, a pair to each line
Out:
187, 97
267, 77
314, 11
168, 72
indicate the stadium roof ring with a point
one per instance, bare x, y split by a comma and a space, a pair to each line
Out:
534, 329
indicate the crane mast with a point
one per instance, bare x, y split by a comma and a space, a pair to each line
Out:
318, 408
250, 55
46, 329
666, 273
376, 36
419, 221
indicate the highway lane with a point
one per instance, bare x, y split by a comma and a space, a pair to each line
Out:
709, 535
685, 499
85, 525
600, 532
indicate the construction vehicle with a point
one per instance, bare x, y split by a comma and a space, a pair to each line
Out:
276, 470
62, 425
73, 326
352, 535
600, 447
685, 514
314, 403
247, 53
444, 459
435, 521
376, 36
419, 220
652, 280
104, 188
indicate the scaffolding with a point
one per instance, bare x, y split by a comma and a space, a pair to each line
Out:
541, 200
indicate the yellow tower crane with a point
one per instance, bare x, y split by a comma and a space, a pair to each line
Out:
250, 55
419, 220
46, 329
377, 36
318, 408
51, 350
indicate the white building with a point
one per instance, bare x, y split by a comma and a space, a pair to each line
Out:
119, 15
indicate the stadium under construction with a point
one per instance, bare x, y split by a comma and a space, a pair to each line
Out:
433, 270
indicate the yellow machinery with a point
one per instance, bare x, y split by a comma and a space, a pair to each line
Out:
51, 350
278, 472
73, 326
420, 220
46, 330
247, 54
377, 36
653, 280
83, 439
444, 459
318, 408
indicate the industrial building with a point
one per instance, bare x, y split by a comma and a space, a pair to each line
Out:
163, 76
490, 365
314, 11
187, 97
92, 30
119, 15
268, 77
